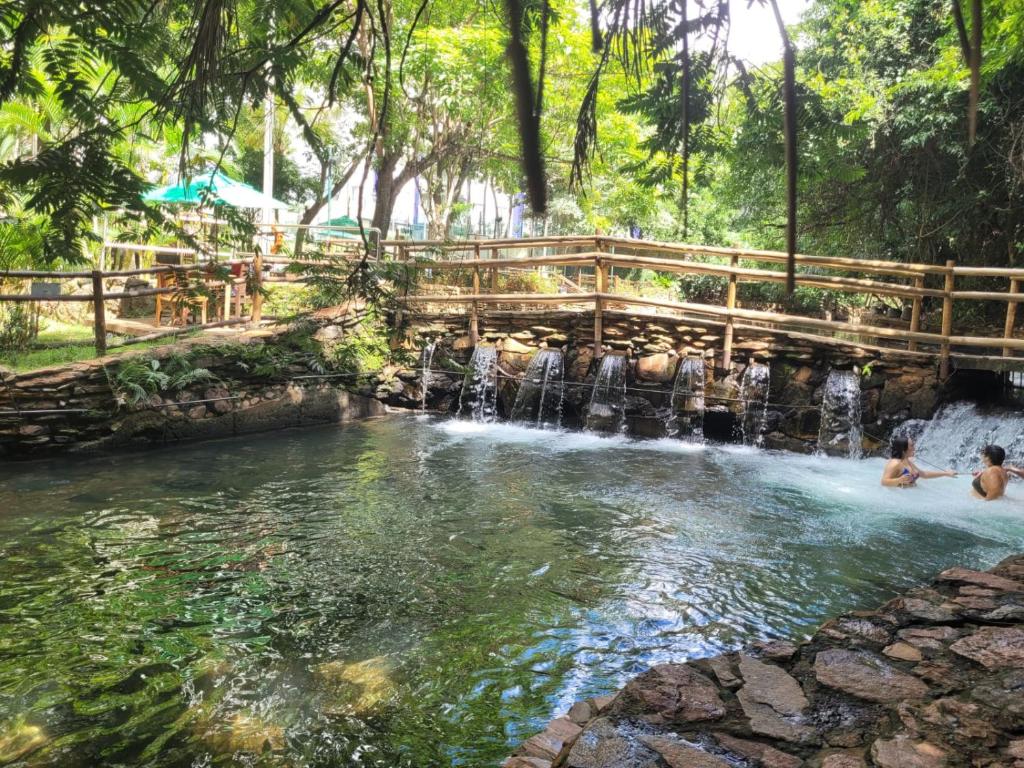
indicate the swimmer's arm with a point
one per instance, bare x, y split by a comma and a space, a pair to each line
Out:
892, 478
1016, 471
931, 475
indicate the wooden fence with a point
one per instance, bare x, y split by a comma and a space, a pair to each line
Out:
596, 286
98, 296
912, 283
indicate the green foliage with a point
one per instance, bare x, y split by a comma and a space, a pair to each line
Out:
17, 327
332, 279
139, 378
365, 350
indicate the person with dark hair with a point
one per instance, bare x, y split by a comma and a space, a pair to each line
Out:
990, 482
901, 472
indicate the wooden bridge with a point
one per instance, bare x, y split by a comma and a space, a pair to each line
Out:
592, 273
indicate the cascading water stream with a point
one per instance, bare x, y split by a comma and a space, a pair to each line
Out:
840, 431
539, 399
607, 409
426, 360
687, 416
480, 387
957, 433
754, 395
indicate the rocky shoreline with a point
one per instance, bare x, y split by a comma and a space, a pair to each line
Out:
933, 678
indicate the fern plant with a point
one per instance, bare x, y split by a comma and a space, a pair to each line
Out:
138, 379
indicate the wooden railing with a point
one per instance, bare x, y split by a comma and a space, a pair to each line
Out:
594, 286
98, 295
912, 283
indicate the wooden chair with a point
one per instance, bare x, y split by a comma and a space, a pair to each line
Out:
179, 311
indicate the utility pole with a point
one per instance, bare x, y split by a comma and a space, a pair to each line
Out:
268, 163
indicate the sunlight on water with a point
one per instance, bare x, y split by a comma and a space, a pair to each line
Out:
416, 591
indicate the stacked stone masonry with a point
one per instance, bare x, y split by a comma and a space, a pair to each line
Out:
934, 678
894, 388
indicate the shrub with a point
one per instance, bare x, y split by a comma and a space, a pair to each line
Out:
17, 327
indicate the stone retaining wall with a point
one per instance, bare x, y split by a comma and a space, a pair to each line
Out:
933, 678
895, 388
74, 408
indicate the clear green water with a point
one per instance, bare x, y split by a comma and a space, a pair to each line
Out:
462, 583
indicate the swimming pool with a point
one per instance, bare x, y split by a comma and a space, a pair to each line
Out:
418, 591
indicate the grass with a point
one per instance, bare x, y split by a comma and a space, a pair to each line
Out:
35, 359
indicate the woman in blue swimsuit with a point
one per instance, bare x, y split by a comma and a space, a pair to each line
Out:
901, 472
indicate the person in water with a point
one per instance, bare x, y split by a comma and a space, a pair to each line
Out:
901, 472
990, 482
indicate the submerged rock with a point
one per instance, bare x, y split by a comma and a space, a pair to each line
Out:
356, 687
19, 739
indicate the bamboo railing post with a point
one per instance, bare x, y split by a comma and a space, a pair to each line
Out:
257, 295
947, 320
474, 315
494, 272
915, 313
99, 313
1011, 316
730, 304
600, 286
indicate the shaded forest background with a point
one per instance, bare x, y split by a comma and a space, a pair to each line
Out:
637, 108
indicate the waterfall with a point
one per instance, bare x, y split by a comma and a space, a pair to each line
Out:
754, 396
539, 399
687, 415
955, 436
608, 400
840, 431
480, 387
426, 359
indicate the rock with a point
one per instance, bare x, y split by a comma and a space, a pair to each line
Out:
580, 712
329, 333
866, 676
1015, 749
865, 628
975, 603
903, 652
723, 671
980, 579
521, 761
903, 752
671, 693
772, 700
515, 347
1011, 612
766, 755
850, 758
993, 647
927, 610
600, 703
602, 745
964, 721
246, 733
18, 739
462, 344
771, 685
680, 755
196, 412
776, 650
359, 686
549, 743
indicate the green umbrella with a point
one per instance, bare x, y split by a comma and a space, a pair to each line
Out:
216, 188
345, 226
